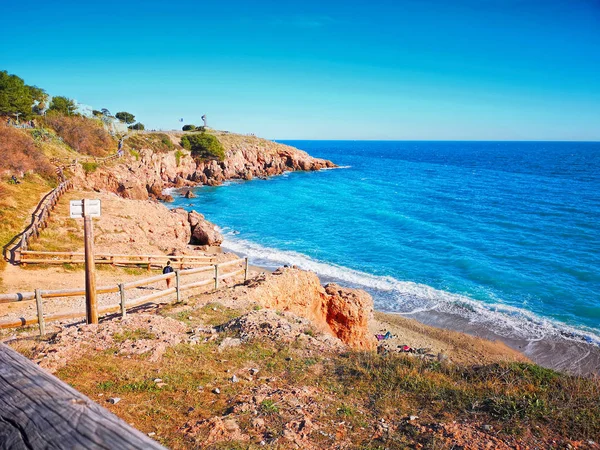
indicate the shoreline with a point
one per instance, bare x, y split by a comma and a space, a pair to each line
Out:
553, 352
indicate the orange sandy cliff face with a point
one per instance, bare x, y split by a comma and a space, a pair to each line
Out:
343, 312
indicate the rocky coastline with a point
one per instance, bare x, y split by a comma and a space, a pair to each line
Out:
144, 173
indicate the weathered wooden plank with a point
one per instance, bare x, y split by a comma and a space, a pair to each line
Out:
38, 411
18, 297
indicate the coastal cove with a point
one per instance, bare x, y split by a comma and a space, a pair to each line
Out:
496, 239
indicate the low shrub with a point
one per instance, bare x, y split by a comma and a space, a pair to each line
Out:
166, 142
203, 146
89, 167
178, 155
189, 128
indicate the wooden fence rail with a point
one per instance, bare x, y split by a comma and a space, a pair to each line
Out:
34, 257
39, 295
42, 214
39, 221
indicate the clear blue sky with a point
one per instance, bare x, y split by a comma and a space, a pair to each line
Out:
418, 69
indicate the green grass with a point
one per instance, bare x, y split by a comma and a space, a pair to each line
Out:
133, 335
89, 167
269, 407
178, 155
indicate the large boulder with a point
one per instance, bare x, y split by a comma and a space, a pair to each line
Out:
203, 232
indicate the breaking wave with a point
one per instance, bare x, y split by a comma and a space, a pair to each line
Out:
409, 298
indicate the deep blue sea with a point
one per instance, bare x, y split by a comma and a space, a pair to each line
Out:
505, 234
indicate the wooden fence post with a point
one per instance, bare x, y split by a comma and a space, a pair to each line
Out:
216, 276
246, 269
122, 292
177, 280
40, 312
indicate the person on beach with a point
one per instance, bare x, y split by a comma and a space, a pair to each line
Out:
168, 269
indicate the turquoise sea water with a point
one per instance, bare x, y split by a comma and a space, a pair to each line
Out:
505, 234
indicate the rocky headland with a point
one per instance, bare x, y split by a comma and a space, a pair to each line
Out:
144, 172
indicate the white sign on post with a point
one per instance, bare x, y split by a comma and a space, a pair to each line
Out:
92, 208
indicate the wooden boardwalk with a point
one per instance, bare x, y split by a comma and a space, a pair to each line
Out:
38, 411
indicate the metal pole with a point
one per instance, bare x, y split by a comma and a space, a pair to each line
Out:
40, 312
91, 306
177, 286
122, 292
216, 276
246, 269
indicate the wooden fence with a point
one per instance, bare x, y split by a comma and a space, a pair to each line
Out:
107, 158
39, 221
42, 213
39, 295
148, 261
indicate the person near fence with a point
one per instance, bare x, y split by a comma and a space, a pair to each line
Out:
168, 269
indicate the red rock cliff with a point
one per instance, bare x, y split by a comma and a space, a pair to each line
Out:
146, 173
340, 311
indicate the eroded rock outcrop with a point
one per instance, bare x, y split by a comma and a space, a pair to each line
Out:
340, 311
203, 232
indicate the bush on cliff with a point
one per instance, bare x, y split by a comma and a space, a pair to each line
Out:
87, 136
203, 146
189, 128
137, 126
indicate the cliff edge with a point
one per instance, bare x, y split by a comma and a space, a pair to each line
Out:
146, 169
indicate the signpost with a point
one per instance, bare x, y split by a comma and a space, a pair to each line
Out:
87, 209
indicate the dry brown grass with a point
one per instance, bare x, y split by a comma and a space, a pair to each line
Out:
157, 142
17, 201
19, 154
86, 136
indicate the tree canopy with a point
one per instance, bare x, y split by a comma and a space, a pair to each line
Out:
126, 117
203, 146
18, 98
63, 105
137, 126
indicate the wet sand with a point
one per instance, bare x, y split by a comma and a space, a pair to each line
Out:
554, 352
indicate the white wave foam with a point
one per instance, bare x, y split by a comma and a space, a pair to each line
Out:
409, 298
335, 168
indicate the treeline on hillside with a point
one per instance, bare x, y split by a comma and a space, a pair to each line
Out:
43, 120
21, 101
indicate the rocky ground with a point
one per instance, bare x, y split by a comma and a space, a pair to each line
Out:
227, 369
